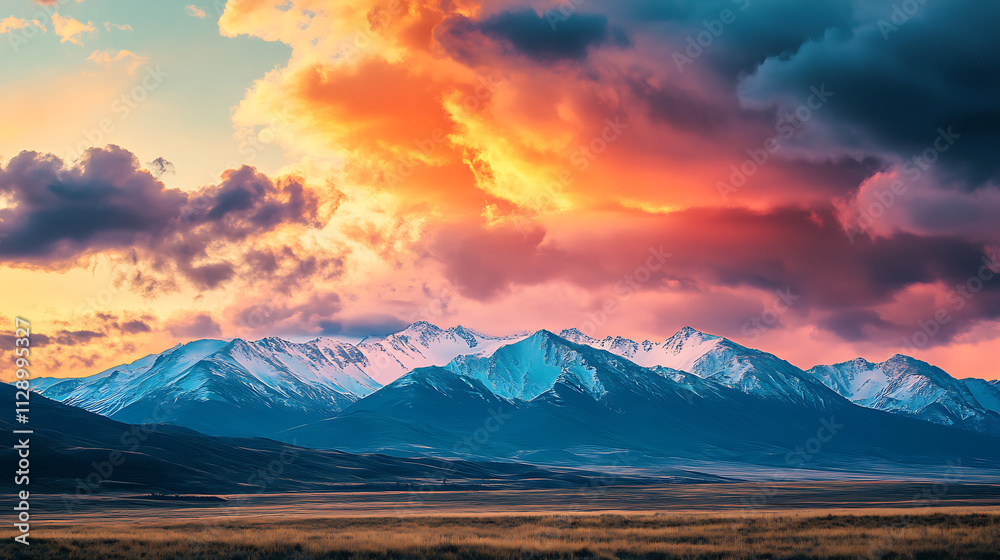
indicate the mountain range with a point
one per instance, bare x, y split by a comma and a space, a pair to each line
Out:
254, 388
564, 399
914, 388
901, 384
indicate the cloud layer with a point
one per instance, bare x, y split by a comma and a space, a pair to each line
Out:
482, 162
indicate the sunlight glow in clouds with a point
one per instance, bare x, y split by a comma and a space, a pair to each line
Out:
504, 165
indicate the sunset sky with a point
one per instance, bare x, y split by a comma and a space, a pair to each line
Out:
814, 178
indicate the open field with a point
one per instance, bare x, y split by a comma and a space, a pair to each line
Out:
879, 519
865, 533
438, 500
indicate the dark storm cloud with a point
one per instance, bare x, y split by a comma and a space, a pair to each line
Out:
209, 276
899, 77
248, 201
107, 202
546, 38
312, 316
856, 324
135, 327
73, 338
784, 249
201, 325
676, 107
734, 36
288, 268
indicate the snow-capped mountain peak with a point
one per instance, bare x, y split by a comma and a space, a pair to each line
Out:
720, 360
423, 344
906, 385
271, 372
276, 382
527, 368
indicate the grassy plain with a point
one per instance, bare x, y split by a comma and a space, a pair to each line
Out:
794, 534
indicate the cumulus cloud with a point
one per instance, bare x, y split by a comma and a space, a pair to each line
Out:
104, 202
195, 11
504, 152
128, 59
196, 325
11, 23
74, 338
71, 30
107, 202
899, 78
521, 95
849, 288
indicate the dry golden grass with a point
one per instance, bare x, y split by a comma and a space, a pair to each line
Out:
870, 534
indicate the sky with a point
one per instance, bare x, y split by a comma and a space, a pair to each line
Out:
814, 178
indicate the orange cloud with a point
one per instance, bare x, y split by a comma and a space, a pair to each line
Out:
129, 59
195, 11
11, 23
70, 30
491, 165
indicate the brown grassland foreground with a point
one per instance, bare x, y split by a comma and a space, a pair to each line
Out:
792, 534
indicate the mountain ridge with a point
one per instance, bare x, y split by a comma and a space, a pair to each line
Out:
266, 386
912, 387
547, 400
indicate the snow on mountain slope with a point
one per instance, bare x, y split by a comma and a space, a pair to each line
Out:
720, 360
987, 393
550, 399
240, 382
260, 387
319, 377
113, 389
680, 351
423, 344
908, 386
535, 365
528, 368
